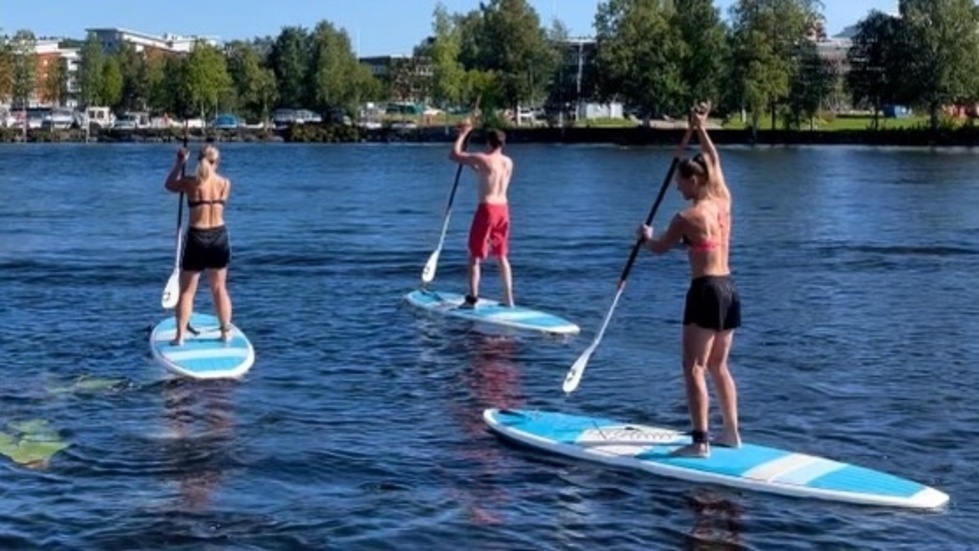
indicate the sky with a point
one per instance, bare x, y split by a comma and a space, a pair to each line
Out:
376, 27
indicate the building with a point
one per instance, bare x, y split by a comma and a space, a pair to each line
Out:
112, 38
576, 82
49, 54
408, 78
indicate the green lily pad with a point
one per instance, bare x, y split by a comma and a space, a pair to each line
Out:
34, 443
88, 384
34, 426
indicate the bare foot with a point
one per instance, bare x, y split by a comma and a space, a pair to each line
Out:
179, 341
698, 449
226, 334
728, 439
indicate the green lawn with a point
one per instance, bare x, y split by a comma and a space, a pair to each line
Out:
837, 123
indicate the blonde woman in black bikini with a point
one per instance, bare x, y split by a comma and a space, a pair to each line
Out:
207, 246
713, 306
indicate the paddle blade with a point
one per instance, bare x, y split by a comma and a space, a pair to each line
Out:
171, 293
577, 370
428, 273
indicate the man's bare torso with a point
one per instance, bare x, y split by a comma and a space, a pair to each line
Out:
494, 171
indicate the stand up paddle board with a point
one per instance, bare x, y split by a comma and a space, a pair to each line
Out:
749, 467
491, 313
205, 355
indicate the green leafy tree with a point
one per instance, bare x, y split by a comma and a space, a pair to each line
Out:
207, 78
112, 83
639, 55
254, 84
704, 52
875, 75
470, 27
812, 82
169, 87
91, 69
135, 77
289, 59
23, 46
515, 46
333, 69
764, 58
6, 70
939, 47
448, 73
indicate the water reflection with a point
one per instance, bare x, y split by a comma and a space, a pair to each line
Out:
717, 522
490, 380
199, 417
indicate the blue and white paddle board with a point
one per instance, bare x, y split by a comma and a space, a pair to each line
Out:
749, 467
205, 355
491, 313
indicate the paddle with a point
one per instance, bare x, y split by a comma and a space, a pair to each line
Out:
171, 293
428, 272
578, 369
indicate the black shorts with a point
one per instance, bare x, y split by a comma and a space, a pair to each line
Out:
713, 303
206, 249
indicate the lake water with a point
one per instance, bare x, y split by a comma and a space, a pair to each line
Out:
359, 427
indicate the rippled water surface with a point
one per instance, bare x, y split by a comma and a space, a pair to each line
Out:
359, 426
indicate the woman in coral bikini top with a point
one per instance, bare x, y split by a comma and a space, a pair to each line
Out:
713, 306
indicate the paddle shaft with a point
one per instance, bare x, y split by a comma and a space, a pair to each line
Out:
652, 212
573, 378
183, 173
455, 184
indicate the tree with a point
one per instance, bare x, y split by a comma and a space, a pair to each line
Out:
448, 73
112, 83
6, 70
135, 79
516, 47
702, 63
91, 68
874, 70
939, 49
332, 68
289, 59
23, 46
56, 82
169, 90
811, 83
207, 78
765, 43
639, 53
254, 84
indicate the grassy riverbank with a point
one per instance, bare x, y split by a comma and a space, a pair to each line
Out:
838, 131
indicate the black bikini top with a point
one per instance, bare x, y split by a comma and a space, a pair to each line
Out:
193, 204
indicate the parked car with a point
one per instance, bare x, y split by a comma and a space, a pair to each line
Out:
283, 117
305, 115
126, 121
100, 117
58, 118
225, 121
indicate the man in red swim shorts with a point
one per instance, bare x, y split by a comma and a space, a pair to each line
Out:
490, 230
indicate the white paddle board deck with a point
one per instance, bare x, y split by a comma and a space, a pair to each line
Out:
491, 313
749, 467
205, 355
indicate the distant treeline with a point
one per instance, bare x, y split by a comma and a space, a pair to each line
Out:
658, 57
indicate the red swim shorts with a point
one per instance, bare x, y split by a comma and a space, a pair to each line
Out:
490, 231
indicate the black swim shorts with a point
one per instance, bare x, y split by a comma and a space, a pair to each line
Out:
206, 249
713, 303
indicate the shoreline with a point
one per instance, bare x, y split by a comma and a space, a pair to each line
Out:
962, 137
